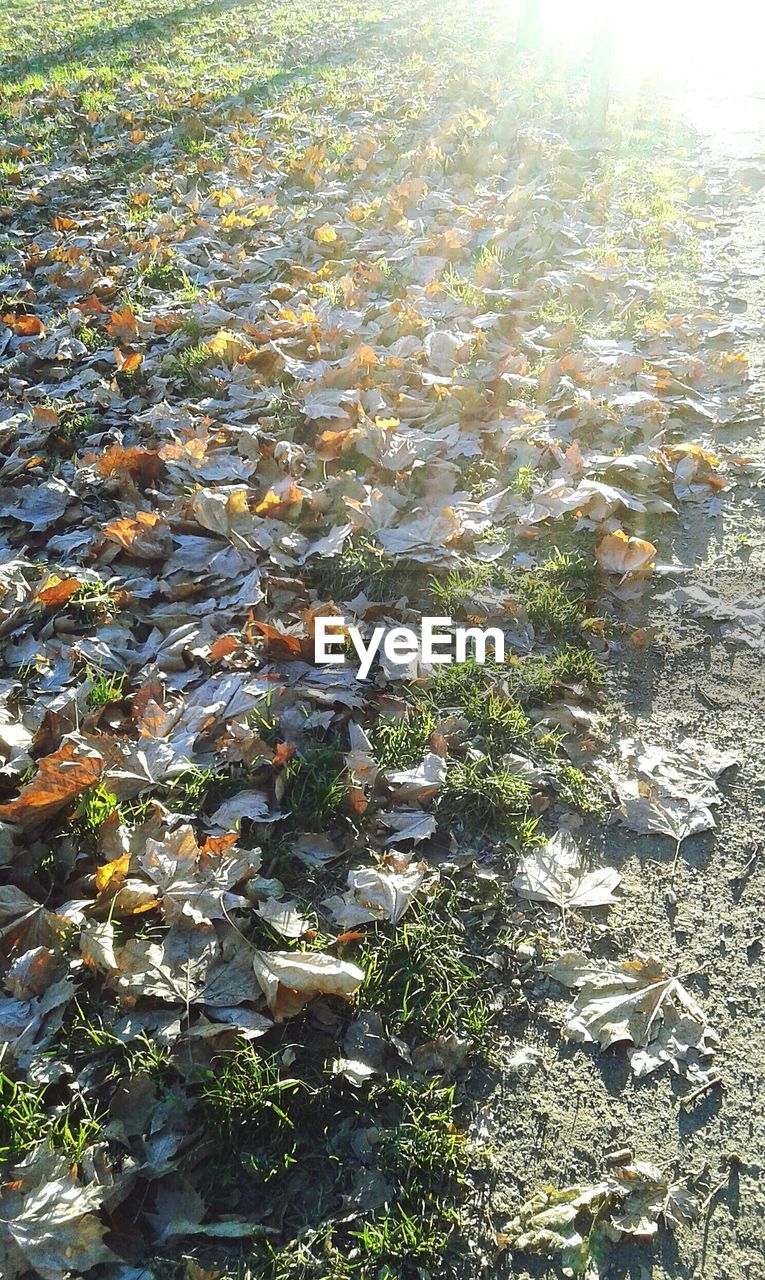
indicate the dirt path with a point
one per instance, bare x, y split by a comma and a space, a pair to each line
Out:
705, 920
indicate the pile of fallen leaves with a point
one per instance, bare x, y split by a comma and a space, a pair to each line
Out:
384, 339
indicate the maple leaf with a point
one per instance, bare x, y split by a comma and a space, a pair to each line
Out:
555, 874
640, 1002
52, 1219
123, 326
290, 980
61, 777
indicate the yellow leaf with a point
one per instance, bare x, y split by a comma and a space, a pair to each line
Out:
325, 234
110, 870
227, 346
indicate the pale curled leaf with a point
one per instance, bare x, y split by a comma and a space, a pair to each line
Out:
636, 1001
669, 792
290, 979
574, 1223
377, 893
97, 946
555, 874
285, 917
618, 553
196, 885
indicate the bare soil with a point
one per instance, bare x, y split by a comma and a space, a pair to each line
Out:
705, 919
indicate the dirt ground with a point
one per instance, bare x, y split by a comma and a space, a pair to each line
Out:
706, 919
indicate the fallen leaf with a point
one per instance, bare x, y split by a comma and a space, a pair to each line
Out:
52, 1217
618, 553
377, 893
290, 980
61, 777
637, 1001
555, 873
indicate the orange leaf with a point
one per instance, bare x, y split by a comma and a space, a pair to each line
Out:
617, 553
284, 752
216, 845
330, 444
60, 778
279, 645
24, 326
642, 637
122, 325
222, 647
357, 801
276, 504
143, 464
44, 417
92, 304
57, 591
128, 360
137, 535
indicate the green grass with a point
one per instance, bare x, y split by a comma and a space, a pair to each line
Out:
107, 687
420, 976
93, 601
583, 792
198, 788
276, 1121
480, 797
30, 1117
251, 1096
362, 567
554, 595
93, 808
317, 785
400, 744
74, 424
94, 339
187, 367
163, 275
269, 1129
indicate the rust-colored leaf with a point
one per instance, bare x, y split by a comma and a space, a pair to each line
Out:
60, 778
24, 326
122, 326
57, 591
128, 361
279, 645
223, 646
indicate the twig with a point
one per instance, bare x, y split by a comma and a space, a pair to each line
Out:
689, 1098
750, 863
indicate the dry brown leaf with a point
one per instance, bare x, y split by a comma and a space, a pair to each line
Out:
25, 326
637, 1001
123, 326
61, 777
56, 591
